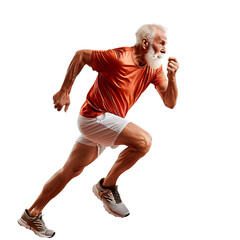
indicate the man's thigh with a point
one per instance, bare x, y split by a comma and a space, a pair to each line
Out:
81, 156
131, 134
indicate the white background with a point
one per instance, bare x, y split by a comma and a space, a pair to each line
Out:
187, 186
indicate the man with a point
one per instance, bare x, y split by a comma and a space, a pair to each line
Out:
123, 74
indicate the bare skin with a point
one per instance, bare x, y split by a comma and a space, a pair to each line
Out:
137, 140
80, 156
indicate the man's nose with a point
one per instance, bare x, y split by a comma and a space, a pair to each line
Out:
163, 50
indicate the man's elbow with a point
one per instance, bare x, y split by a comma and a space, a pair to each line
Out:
171, 105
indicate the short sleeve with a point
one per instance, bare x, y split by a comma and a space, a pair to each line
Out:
103, 61
159, 78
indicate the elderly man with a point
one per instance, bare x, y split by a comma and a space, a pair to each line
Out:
123, 74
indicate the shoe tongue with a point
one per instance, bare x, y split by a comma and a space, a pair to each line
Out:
114, 188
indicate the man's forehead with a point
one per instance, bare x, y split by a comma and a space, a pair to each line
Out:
164, 38
161, 35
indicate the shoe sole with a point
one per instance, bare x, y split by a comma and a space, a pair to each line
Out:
95, 191
23, 223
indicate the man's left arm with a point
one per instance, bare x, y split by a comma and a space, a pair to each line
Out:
168, 90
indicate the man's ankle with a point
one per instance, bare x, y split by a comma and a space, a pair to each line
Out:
33, 212
112, 187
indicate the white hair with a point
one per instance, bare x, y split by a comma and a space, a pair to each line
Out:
148, 31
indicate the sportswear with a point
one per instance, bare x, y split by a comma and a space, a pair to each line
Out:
111, 200
36, 224
119, 83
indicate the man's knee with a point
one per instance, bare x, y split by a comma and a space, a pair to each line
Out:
144, 143
80, 157
70, 172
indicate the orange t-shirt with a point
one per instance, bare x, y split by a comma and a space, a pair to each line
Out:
119, 83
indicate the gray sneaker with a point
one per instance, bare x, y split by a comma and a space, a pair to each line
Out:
111, 200
36, 224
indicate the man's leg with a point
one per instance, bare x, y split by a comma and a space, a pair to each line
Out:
81, 156
138, 142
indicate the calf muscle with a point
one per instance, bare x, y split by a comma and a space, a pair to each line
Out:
138, 142
80, 157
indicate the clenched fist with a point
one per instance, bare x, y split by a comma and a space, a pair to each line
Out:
61, 99
172, 68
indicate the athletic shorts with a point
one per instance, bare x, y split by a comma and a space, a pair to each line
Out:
101, 131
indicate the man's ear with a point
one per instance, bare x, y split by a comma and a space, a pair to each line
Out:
145, 44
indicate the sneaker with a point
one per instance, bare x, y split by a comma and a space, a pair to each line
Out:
36, 224
111, 200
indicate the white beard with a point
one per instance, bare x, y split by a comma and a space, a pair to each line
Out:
153, 60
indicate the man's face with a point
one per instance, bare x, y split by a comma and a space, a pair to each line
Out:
157, 49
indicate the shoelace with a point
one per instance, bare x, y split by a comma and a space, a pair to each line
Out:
40, 218
116, 196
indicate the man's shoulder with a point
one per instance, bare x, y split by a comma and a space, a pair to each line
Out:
121, 51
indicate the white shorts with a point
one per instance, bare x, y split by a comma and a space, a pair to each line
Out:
101, 131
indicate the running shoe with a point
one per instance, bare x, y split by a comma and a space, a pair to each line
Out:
36, 224
111, 200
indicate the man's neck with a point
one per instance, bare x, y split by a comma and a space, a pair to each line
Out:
138, 56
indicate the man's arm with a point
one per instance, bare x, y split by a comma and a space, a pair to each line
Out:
168, 91
80, 59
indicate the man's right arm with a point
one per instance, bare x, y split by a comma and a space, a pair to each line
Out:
80, 59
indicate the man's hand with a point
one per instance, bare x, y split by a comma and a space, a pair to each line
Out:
172, 68
60, 99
